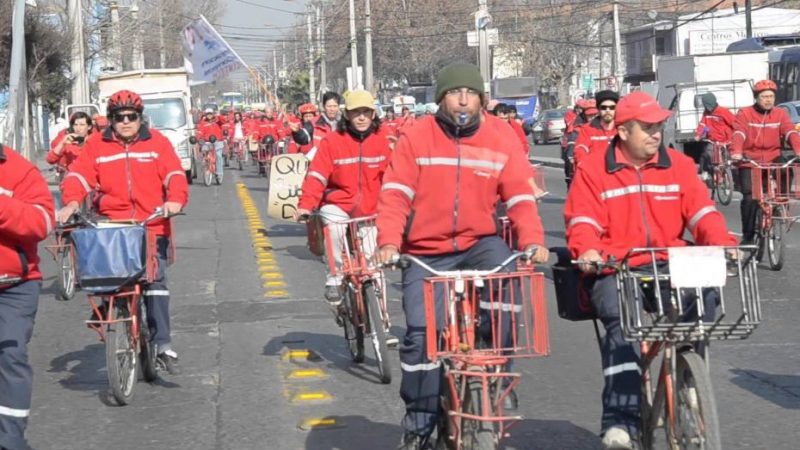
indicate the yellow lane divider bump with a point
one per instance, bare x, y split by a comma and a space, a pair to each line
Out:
306, 374
320, 423
311, 397
271, 276
276, 294
274, 284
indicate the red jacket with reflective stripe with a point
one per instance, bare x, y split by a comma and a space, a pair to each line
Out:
440, 194
521, 136
132, 179
68, 155
758, 134
613, 207
347, 172
719, 123
208, 128
592, 137
26, 216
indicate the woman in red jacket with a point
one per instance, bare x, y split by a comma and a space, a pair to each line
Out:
344, 178
66, 150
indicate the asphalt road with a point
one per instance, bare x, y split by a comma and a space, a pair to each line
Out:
239, 391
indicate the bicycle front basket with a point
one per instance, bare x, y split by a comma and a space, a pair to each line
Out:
109, 258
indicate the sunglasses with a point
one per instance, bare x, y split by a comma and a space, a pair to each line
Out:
132, 117
607, 107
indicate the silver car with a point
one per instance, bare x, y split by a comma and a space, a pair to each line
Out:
552, 124
793, 109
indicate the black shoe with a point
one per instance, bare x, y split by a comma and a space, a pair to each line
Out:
412, 441
511, 402
169, 361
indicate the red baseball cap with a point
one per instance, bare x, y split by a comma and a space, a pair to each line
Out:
590, 107
640, 106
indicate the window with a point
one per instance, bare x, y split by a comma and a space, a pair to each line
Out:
165, 113
660, 46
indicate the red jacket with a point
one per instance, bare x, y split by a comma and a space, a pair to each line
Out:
592, 137
26, 216
612, 207
208, 128
719, 124
267, 127
68, 155
347, 172
440, 194
132, 179
758, 134
521, 136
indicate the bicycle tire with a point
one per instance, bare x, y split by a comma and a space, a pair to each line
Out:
477, 435
695, 407
208, 176
443, 426
147, 349
352, 334
66, 283
240, 163
759, 239
775, 242
375, 328
725, 188
121, 368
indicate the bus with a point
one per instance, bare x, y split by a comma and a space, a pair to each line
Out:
232, 99
520, 92
784, 70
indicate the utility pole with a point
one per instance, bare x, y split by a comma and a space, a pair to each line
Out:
482, 21
353, 49
80, 82
162, 52
617, 60
138, 56
323, 70
368, 76
275, 77
17, 82
312, 89
748, 17
116, 39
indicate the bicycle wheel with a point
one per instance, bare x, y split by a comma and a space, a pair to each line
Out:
120, 356
775, 242
208, 175
444, 425
239, 162
375, 328
759, 240
697, 424
477, 435
147, 349
66, 275
352, 334
725, 186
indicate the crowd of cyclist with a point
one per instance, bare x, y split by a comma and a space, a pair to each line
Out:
434, 180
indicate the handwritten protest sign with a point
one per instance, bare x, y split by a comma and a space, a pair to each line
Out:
285, 180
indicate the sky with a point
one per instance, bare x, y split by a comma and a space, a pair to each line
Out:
258, 21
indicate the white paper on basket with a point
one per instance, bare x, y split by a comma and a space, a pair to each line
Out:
697, 267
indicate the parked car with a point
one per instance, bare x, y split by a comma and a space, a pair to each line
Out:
552, 125
793, 108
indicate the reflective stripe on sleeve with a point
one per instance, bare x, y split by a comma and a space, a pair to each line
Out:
172, 174
80, 178
318, 176
6, 192
400, 187
699, 216
520, 198
585, 219
47, 219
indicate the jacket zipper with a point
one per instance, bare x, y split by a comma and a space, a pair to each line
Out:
130, 184
358, 189
642, 208
458, 190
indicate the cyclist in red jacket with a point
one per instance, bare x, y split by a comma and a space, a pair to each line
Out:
716, 125
758, 134
437, 202
208, 130
595, 135
635, 194
135, 170
66, 150
26, 218
344, 179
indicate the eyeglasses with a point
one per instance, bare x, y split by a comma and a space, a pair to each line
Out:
469, 92
366, 112
132, 117
607, 107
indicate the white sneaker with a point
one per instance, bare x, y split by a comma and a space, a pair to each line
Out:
616, 438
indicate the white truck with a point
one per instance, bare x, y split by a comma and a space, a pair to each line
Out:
167, 103
682, 80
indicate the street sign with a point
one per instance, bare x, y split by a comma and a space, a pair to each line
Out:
611, 82
587, 81
492, 35
482, 18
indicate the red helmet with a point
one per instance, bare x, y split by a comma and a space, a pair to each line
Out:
765, 85
124, 99
307, 108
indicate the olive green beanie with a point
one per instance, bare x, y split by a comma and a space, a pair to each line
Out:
458, 75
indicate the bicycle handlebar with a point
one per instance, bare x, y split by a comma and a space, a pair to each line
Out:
747, 160
77, 219
405, 260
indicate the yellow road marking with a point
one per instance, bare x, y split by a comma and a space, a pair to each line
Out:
301, 374
311, 397
317, 423
278, 293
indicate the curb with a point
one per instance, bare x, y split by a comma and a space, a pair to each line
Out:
547, 162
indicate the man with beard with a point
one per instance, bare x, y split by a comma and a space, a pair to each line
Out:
437, 203
596, 135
